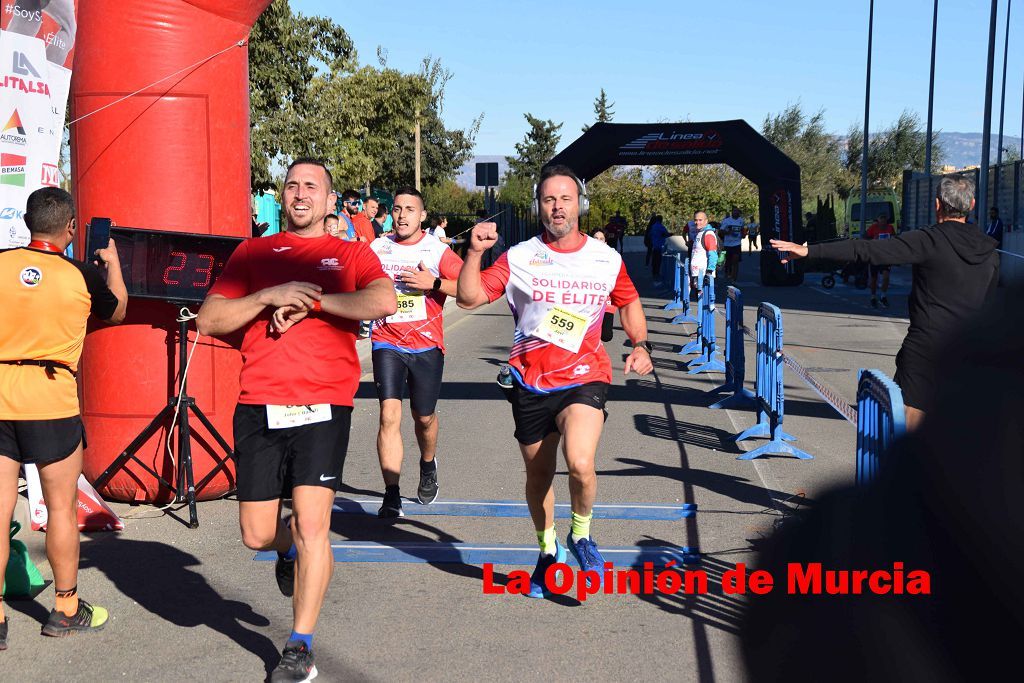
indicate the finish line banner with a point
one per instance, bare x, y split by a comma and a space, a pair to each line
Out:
36, 51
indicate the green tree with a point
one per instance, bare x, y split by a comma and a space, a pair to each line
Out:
898, 147
451, 199
603, 111
804, 140
536, 149
442, 150
286, 50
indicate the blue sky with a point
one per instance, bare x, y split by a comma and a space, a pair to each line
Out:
661, 61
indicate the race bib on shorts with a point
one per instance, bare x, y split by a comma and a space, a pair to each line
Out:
562, 328
411, 308
281, 417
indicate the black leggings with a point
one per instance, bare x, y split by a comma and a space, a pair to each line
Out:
656, 264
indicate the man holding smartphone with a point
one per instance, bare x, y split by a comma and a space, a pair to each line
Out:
48, 299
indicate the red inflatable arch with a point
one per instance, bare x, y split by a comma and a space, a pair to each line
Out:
173, 157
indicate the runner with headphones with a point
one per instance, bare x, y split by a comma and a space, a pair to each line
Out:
558, 285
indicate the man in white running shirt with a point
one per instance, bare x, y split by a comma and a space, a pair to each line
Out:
558, 286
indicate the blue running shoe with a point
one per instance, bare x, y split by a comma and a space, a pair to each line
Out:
588, 556
537, 587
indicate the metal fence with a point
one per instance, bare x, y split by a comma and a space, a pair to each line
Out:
1005, 191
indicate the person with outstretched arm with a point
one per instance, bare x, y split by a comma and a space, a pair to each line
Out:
955, 269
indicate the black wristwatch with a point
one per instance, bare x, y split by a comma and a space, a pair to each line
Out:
644, 344
437, 284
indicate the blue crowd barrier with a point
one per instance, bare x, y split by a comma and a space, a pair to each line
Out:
681, 291
735, 356
694, 346
706, 342
770, 392
881, 419
675, 260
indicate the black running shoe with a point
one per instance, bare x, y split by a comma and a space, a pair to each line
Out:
392, 505
428, 488
3, 634
884, 302
87, 618
284, 571
874, 302
296, 664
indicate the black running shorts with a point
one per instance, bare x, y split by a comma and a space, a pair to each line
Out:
41, 441
273, 461
915, 376
875, 271
392, 370
534, 414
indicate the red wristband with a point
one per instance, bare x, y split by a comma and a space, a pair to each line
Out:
317, 306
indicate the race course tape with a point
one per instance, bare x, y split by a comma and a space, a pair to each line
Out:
441, 552
827, 393
512, 508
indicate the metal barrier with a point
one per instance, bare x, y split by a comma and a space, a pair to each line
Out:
770, 392
881, 420
681, 291
706, 342
735, 356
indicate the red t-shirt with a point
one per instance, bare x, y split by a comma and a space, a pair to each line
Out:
363, 226
418, 325
558, 299
314, 361
877, 232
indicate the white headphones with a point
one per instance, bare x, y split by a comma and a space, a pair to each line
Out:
584, 198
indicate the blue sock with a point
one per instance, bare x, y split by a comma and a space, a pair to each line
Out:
290, 555
306, 638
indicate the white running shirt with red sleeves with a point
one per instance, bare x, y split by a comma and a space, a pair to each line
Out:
558, 299
418, 325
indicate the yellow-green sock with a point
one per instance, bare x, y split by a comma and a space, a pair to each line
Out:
581, 526
546, 539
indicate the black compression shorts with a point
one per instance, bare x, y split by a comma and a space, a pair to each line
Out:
273, 461
41, 441
534, 414
393, 370
915, 375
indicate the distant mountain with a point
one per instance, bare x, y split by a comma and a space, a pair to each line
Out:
964, 149
467, 173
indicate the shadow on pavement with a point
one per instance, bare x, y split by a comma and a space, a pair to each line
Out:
713, 608
737, 488
166, 582
401, 531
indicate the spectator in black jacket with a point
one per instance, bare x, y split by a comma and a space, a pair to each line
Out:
955, 270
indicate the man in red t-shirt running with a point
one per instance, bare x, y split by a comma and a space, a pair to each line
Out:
880, 230
298, 296
558, 285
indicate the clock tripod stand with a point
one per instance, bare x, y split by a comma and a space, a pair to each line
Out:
176, 416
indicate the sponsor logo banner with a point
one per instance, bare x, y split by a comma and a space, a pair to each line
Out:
36, 50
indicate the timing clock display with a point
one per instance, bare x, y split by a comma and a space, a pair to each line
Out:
172, 266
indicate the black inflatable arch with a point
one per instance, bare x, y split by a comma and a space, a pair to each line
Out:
733, 143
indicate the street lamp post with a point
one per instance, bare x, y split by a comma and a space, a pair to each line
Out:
931, 102
867, 110
986, 131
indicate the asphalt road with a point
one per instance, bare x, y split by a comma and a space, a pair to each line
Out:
193, 604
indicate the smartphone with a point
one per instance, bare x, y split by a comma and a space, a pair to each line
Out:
99, 237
